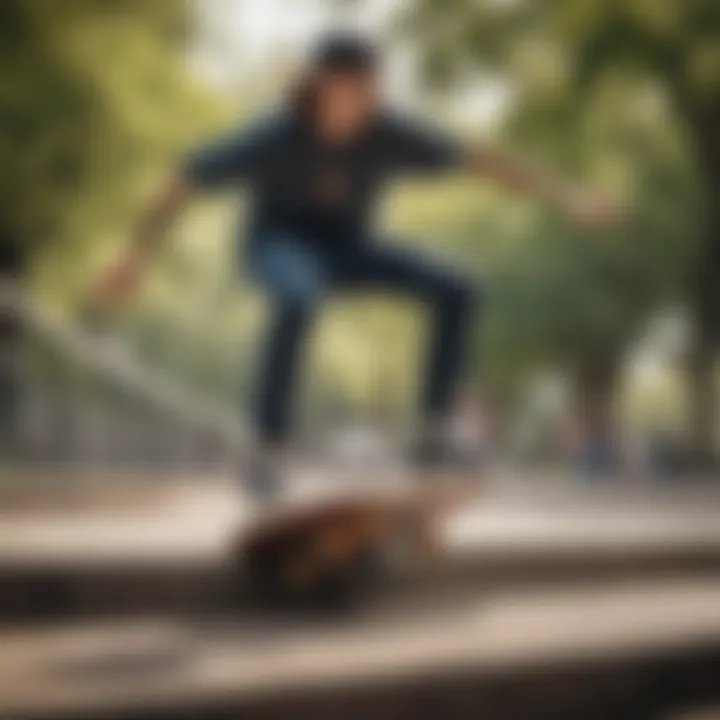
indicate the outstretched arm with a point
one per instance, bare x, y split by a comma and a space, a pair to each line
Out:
520, 176
224, 161
159, 216
419, 149
153, 224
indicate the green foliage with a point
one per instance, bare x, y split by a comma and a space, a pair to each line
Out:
603, 89
93, 95
97, 102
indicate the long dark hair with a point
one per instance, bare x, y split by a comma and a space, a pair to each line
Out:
340, 53
303, 97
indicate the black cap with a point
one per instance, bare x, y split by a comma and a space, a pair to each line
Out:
345, 53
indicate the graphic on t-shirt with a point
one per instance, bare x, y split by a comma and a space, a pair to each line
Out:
332, 186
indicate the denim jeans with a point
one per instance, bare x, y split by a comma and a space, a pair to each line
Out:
297, 278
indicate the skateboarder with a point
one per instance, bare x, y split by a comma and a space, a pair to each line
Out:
315, 167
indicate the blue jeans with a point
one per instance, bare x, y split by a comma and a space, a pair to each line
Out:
297, 278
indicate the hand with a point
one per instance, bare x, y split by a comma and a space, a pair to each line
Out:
592, 211
118, 282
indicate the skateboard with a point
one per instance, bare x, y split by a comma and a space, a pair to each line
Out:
332, 551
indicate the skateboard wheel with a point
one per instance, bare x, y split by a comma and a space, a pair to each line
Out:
296, 581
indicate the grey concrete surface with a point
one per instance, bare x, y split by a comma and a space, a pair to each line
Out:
130, 666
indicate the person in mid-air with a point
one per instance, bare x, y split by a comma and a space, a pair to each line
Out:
315, 168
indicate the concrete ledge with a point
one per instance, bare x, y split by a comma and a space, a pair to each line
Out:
172, 555
86, 489
632, 651
44, 592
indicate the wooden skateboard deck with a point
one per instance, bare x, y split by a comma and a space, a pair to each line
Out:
327, 552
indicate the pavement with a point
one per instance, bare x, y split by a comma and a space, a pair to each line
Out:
191, 520
132, 667
638, 601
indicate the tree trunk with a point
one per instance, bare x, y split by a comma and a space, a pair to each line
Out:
595, 393
703, 355
705, 294
11, 266
705, 305
703, 400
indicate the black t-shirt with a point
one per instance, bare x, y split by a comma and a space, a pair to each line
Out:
320, 192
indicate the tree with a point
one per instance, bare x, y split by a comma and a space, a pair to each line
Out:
571, 62
91, 91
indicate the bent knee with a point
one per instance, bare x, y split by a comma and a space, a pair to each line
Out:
291, 275
297, 297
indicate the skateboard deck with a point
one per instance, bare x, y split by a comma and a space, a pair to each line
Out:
331, 550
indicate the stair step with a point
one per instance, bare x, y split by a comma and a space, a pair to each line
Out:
175, 557
590, 650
